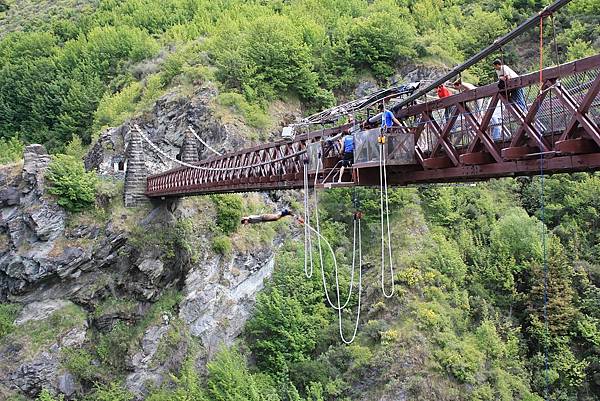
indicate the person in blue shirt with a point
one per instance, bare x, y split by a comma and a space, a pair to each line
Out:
347, 153
387, 117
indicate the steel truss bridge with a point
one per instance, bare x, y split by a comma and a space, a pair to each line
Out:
471, 136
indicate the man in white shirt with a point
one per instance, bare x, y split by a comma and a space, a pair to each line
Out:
461, 86
516, 96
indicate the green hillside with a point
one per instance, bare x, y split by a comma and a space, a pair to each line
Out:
73, 67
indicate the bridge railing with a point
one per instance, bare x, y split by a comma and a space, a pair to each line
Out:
268, 166
503, 124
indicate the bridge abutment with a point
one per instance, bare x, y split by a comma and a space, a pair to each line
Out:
135, 176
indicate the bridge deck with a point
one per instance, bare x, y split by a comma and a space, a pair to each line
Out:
471, 136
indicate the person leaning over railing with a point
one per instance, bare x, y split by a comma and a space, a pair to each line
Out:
461, 86
516, 96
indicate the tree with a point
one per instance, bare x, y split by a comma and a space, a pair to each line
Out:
74, 187
230, 380
280, 332
560, 307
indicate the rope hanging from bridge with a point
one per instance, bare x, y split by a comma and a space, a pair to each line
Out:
308, 256
383, 193
543, 218
202, 142
309, 262
317, 230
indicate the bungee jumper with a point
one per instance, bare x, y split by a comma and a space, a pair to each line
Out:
263, 218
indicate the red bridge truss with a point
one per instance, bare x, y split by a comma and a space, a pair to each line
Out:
474, 135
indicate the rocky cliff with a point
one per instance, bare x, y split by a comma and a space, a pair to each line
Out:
79, 279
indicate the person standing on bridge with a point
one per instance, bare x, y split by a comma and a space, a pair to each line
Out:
387, 117
462, 86
348, 153
442, 92
516, 96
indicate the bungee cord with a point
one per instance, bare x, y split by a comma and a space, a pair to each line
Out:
308, 256
319, 247
383, 192
341, 308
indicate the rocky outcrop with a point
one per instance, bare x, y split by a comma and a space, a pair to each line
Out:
220, 296
166, 127
31, 361
48, 265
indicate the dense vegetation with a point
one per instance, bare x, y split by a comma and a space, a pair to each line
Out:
468, 320
85, 65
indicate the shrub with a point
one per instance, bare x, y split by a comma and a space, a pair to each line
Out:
11, 150
379, 40
230, 380
115, 108
75, 148
410, 276
253, 114
187, 386
389, 336
74, 187
79, 363
110, 392
229, 212
46, 396
221, 244
113, 347
8, 314
461, 359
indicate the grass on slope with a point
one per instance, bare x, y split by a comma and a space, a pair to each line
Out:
30, 14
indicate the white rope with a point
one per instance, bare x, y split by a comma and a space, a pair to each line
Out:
158, 150
383, 190
307, 237
341, 308
359, 285
319, 237
202, 142
308, 254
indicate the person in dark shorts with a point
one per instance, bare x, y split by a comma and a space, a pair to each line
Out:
263, 218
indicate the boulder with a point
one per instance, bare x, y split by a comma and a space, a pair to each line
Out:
35, 163
40, 310
33, 376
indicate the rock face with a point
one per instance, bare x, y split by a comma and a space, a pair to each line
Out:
166, 127
220, 295
51, 262
30, 364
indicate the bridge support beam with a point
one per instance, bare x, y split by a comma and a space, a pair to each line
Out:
135, 176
